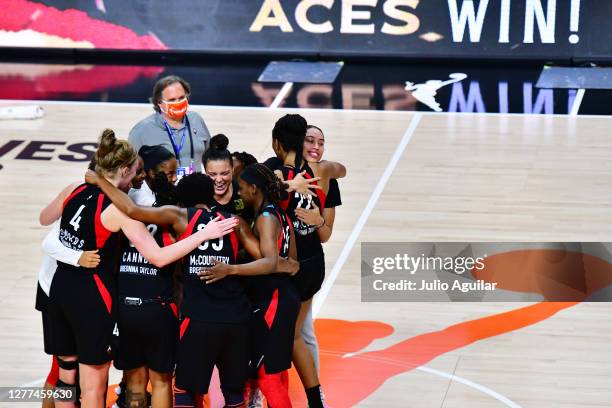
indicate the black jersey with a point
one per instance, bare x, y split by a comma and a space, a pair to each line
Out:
333, 195
81, 229
262, 286
138, 277
306, 238
235, 205
224, 301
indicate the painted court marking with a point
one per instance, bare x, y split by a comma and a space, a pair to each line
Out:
471, 384
348, 246
355, 233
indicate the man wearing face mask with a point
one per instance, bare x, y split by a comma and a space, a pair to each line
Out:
173, 126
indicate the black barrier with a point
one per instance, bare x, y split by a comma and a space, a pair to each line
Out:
359, 86
490, 29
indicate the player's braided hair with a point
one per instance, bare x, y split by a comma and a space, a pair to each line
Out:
261, 176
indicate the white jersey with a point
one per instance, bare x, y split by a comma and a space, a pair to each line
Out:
53, 251
143, 196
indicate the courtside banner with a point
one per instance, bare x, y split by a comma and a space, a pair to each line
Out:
486, 271
525, 29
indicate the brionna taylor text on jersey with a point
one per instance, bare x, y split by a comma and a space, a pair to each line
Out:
435, 285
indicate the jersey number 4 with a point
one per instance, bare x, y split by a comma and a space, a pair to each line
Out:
77, 218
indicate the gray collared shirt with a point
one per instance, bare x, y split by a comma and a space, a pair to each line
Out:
151, 131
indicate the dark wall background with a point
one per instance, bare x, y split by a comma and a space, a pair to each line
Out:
223, 26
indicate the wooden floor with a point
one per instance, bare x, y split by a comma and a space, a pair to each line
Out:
459, 178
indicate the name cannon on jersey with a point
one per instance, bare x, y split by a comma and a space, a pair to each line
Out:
69, 240
197, 262
135, 257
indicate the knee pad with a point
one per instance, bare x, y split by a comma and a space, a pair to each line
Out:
67, 365
61, 384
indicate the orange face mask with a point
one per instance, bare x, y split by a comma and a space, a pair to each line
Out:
176, 110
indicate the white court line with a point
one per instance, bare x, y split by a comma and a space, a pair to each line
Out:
452, 377
360, 111
348, 246
479, 387
282, 94
577, 102
357, 230
472, 384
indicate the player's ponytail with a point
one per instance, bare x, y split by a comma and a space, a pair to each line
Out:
218, 150
290, 131
113, 153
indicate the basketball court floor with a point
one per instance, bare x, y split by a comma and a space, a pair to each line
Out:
412, 176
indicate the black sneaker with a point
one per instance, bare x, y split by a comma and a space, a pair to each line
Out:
120, 391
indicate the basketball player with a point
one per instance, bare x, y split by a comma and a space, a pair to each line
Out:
314, 148
213, 310
218, 165
81, 302
275, 301
54, 251
156, 160
288, 144
241, 160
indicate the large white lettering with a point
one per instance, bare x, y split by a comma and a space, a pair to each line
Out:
467, 16
546, 25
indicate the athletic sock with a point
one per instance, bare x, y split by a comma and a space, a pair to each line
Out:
314, 396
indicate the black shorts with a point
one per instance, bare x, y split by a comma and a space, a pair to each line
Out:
42, 300
272, 330
46, 323
147, 337
80, 318
203, 345
310, 277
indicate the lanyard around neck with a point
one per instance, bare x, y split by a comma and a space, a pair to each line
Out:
177, 149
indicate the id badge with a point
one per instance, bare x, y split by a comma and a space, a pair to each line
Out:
182, 172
